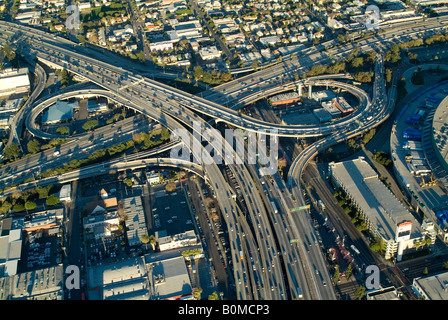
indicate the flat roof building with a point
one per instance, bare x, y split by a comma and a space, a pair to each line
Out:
122, 280
170, 279
385, 215
59, 111
185, 239
13, 81
135, 221
42, 284
322, 115
433, 287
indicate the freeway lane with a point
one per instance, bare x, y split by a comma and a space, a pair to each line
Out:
300, 64
120, 81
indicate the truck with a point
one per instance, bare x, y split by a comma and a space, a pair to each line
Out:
241, 255
274, 207
321, 204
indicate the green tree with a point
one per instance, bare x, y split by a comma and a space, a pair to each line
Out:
89, 125
197, 293
129, 182
445, 265
30, 205
255, 64
337, 274
5, 207
12, 151
213, 296
144, 238
348, 271
18, 207
63, 130
170, 187
52, 200
33, 146
360, 292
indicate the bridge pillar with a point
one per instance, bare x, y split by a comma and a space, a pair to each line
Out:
299, 91
310, 91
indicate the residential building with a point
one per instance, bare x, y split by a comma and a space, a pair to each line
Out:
209, 53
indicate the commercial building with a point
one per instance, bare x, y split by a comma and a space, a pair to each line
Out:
101, 225
10, 246
269, 41
42, 284
284, 98
179, 240
65, 194
58, 112
322, 115
384, 214
324, 95
433, 287
209, 53
151, 277
169, 276
44, 220
153, 177
135, 220
122, 280
342, 105
331, 108
14, 81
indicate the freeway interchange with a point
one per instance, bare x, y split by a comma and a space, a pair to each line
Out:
273, 253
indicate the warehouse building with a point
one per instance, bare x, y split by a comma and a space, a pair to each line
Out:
60, 111
14, 81
385, 215
135, 221
433, 287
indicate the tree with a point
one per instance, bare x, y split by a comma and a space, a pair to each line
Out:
445, 265
89, 125
337, 274
348, 271
63, 130
5, 207
52, 200
388, 75
170, 187
12, 151
360, 292
18, 207
129, 182
197, 293
144, 238
152, 241
30, 205
255, 64
213, 296
33, 146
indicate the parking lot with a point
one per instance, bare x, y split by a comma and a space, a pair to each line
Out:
169, 211
40, 252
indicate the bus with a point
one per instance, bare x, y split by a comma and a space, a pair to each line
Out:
355, 249
273, 206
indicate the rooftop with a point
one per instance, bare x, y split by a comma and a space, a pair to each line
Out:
376, 201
